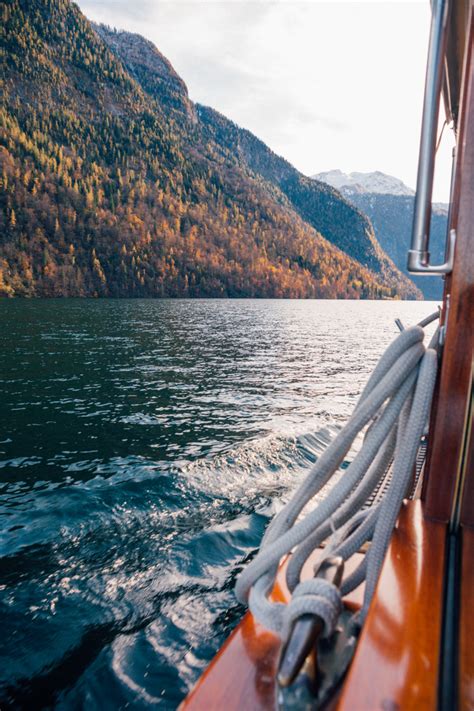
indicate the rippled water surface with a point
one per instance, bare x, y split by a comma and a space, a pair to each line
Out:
144, 446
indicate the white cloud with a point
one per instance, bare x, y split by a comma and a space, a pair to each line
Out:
325, 84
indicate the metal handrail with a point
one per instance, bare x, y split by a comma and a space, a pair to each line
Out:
418, 254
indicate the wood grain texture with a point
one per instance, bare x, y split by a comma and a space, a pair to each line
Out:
396, 665
242, 676
452, 398
466, 624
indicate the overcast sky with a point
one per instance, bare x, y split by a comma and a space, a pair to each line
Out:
324, 84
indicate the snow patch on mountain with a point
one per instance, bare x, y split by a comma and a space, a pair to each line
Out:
376, 182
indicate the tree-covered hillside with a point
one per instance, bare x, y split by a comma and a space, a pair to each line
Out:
320, 205
112, 184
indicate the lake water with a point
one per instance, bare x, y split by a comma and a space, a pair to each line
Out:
144, 446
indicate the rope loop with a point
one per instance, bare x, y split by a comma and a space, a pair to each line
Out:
314, 597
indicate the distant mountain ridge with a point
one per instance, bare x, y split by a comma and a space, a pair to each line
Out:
115, 184
379, 183
389, 204
376, 182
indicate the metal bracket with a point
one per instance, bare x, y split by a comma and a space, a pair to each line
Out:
419, 260
314, 688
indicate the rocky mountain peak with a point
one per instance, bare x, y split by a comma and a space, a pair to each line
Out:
149, 67
375, 182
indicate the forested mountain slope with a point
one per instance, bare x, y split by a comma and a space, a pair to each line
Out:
317, 203
113, 184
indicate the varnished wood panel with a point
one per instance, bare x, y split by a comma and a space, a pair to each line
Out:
242, 676
466, 623
396, 665
449, 413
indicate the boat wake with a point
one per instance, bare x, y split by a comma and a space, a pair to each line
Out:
118, 577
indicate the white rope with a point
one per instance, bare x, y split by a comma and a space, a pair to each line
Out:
393, 410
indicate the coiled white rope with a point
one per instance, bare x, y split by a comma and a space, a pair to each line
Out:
394, 408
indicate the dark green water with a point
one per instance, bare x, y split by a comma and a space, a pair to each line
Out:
144, 446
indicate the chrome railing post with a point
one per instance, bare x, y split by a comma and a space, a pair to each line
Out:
418, 254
